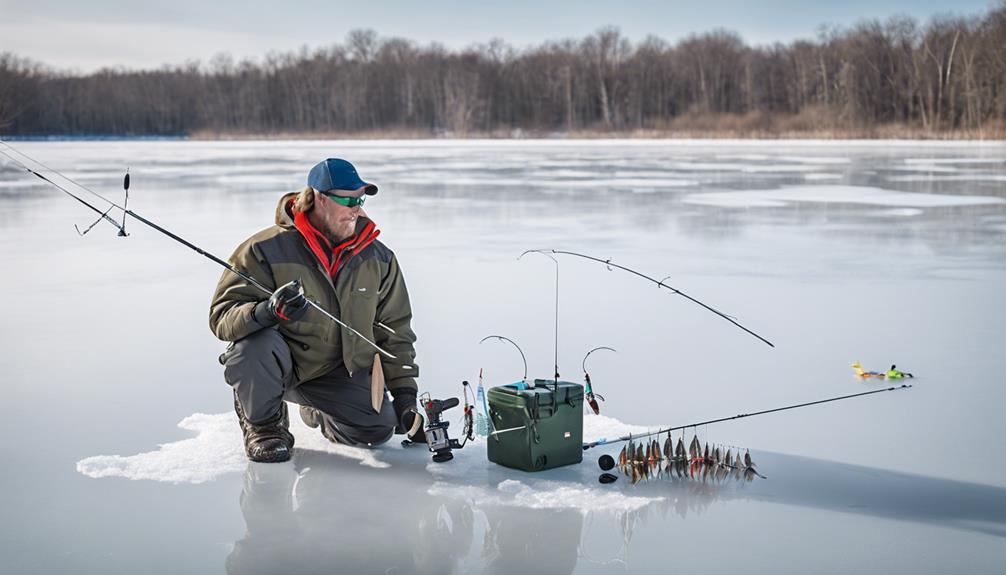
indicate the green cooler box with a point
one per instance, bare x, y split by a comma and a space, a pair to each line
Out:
536, 426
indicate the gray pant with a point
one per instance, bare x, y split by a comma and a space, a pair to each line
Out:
260, 369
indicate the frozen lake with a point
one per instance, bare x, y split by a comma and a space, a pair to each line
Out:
878, 252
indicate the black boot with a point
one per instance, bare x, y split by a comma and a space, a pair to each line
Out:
269, 442
314, 419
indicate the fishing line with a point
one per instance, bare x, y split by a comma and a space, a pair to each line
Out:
103, 214
660, 283
604, 441
556, 308
175, 237
60, 174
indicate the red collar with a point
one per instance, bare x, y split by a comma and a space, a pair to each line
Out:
332, 257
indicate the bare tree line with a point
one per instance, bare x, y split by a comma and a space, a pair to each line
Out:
946, 75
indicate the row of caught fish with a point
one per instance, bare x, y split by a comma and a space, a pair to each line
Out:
675, 470
651, 452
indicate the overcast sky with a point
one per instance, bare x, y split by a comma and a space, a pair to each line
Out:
87, 35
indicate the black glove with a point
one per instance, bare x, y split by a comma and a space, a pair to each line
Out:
406, 411
287, 304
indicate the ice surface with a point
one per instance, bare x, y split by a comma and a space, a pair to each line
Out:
18, 184
835, 194
109, 348
963, 161
973, 177
931, 168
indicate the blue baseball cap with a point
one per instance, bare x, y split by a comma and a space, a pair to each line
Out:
338, 174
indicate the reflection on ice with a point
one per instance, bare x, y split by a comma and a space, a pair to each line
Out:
302, 514
520, 493
216, 450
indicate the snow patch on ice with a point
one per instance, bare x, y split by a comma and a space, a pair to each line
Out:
816, 159
25, 183
948, 178
745, 168
819, 176
545, 495
900, 212
925, 168
575, 487
588, 183
602, 183
600, 427
794, 159
954, 160
835, 194
216, 449
279, 182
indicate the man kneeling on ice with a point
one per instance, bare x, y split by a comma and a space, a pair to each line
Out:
322, 247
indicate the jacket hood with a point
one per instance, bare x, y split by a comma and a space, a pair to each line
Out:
284, 216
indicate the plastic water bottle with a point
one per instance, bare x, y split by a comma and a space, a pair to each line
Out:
481, 412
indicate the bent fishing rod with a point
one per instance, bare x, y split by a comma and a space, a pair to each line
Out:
177, 238
631, 436
659, 283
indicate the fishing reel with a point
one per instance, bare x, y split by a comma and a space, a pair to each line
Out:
437, 439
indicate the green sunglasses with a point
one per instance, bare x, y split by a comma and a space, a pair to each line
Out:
344, 201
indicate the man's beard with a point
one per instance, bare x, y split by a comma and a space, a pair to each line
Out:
341, 230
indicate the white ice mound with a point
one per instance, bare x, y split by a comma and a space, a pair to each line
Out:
472, 477
216, 449
546, 494
835, 194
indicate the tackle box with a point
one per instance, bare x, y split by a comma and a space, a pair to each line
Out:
537, 426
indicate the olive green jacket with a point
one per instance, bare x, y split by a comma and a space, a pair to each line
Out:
368, 294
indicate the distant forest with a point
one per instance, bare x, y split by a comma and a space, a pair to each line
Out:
945, 77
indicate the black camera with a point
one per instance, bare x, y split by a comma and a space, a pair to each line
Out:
436, 429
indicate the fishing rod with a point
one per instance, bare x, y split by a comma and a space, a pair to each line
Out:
588, 392
122, 227
660, 283
513, 343
556, 364
102, 215
631, 436
177, 238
